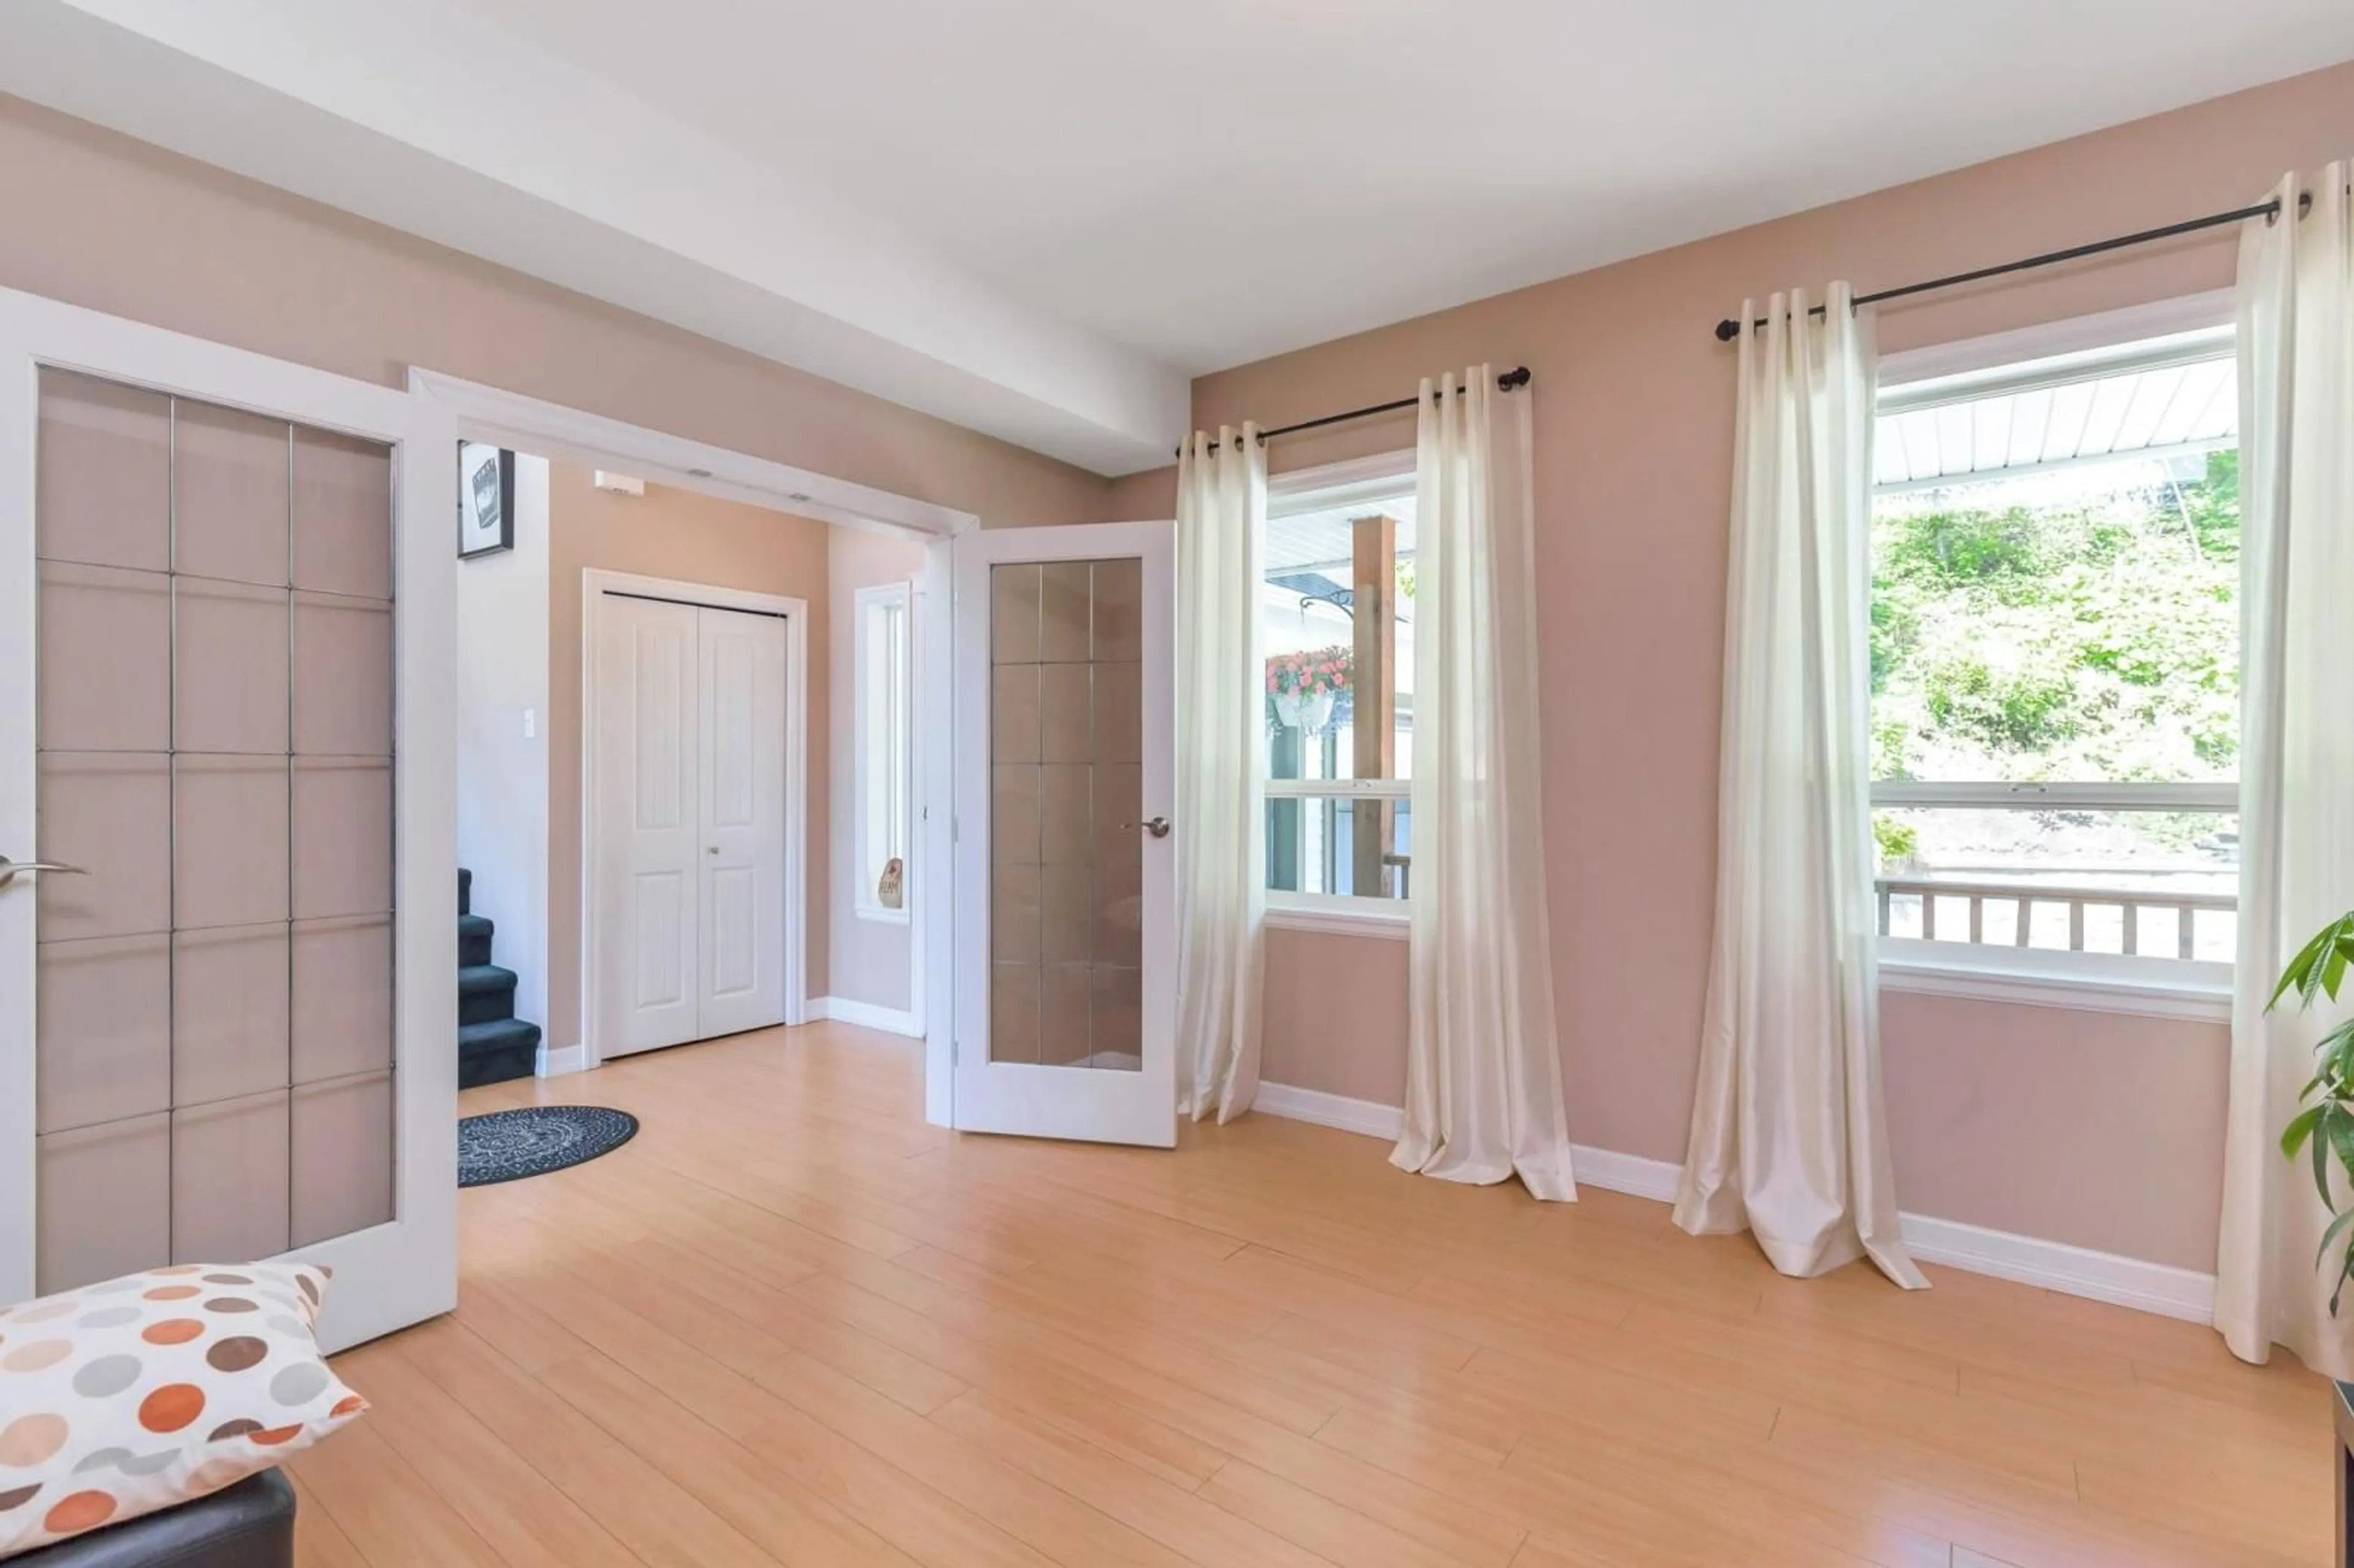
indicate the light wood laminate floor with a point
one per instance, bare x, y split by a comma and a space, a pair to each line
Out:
791, 1322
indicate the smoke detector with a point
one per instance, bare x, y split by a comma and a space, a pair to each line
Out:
619, 484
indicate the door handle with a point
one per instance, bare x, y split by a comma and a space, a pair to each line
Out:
1157, 826
9, 868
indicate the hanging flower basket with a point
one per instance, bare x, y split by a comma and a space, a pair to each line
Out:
1306, 712
1302, 687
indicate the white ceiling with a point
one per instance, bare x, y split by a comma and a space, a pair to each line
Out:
1040, 217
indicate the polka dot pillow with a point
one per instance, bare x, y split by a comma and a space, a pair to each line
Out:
122, 1398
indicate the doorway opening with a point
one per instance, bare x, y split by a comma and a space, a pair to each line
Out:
660, 737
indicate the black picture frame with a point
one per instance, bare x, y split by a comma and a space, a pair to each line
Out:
486, 501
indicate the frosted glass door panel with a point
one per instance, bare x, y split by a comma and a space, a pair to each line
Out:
214, 1036
1066, 849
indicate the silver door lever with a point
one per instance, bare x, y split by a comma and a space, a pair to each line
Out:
9, 868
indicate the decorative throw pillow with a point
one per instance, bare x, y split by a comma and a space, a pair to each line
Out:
120, 1399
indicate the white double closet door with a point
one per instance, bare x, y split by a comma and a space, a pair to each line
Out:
690, 822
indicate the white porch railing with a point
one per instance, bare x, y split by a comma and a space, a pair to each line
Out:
1934, 891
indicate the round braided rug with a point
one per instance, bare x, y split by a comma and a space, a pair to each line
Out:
508, 1144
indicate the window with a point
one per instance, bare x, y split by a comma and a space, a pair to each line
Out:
1336, 614
2054, 650
882, 745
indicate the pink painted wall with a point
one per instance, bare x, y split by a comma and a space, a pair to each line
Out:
1335, 1015
2098, 1130
2102, 1131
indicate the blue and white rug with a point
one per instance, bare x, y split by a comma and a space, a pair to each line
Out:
508, 1144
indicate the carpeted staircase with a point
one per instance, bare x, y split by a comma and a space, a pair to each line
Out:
494, 1045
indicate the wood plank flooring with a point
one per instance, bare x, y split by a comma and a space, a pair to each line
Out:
791, 1323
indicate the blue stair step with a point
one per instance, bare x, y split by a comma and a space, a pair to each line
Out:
494, 1045
485, 993
473, 940
494, 1050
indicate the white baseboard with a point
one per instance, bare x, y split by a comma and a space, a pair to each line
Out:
866, 1014
2121, 1281
554, 1060
1602, 1166
1368, 1117
1629, 1174
2071, 1270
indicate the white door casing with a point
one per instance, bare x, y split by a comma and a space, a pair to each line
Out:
693, 821
487, 413
934, 903
1083, 1101
741, 760
389, 1276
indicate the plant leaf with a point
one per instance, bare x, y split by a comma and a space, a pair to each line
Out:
2340, 1130
2319, 966
2321, 1157
2299, 1129
2337, 1228
2307, 963
2335, 1048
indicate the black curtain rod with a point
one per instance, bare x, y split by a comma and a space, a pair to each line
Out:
1516, 376
1729, 329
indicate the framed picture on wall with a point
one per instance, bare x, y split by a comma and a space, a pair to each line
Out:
486, 489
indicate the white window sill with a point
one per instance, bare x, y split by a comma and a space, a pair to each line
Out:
1385, 918
2035, 977
879, 914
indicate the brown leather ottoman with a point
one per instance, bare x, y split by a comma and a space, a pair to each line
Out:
249, 1525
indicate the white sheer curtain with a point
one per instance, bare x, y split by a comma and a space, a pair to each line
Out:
1787, 1136
2296, 748
1483, 1072
1221, 771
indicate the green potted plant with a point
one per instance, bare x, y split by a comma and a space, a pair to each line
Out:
2327, 1122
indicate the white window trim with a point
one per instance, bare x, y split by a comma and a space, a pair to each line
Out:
1333, 915
864, 903
2048, 339
2099, 795
1352, 480
2138, 984
1340, 789
2042, 977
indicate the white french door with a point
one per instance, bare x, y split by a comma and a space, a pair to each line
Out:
227, 1023
690, 792
1064, 934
